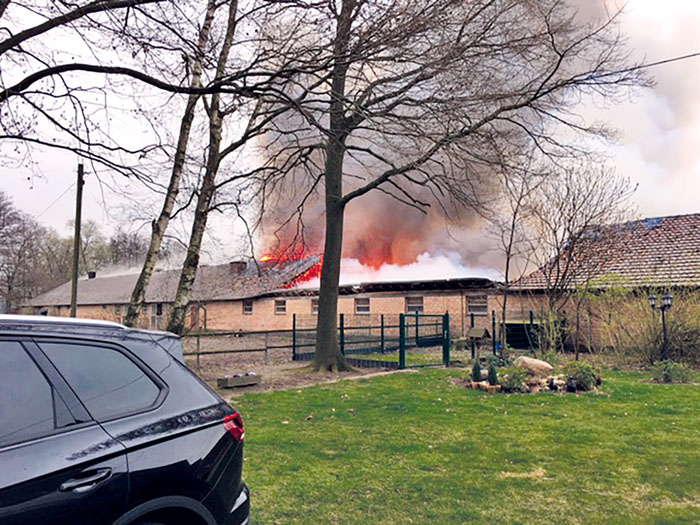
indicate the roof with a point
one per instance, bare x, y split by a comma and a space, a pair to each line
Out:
655, 252
461, 283
213, 283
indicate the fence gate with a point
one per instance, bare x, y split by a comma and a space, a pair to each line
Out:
382, 341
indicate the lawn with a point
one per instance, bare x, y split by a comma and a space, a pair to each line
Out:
413, 448
414, 356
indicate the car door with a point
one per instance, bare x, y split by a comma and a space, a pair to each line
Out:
57, 465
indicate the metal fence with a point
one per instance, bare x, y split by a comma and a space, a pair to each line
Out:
269, 345
381, 341
371, 340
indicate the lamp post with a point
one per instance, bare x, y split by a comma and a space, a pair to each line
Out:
666, 302
652, 303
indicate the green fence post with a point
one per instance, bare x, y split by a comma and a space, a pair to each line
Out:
342, 334
402, 341
294, 337
493, 328
381, 334
473, 343
446, 339
416, 328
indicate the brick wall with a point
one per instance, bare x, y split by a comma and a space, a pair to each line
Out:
229, 315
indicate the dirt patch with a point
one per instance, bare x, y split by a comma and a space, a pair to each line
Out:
279, 373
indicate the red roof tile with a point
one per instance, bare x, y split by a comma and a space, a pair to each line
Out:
658, 252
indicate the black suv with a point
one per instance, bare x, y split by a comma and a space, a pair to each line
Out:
102, 424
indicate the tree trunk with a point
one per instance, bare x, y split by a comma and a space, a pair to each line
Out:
578, 327
328, 355
160, 225
504, 337
176, 322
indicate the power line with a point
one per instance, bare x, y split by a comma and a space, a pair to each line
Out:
56, 200
649, 65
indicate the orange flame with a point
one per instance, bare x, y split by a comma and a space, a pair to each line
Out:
291, 254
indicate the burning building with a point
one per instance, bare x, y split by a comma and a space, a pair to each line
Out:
268, 295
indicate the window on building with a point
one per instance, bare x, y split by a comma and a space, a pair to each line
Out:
106, 381
477, 304
362, 305
29, 406
280, 306
414, 305
156, 316
314, 306
118, 311
247, 307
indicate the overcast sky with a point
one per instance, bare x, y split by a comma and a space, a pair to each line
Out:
659, 146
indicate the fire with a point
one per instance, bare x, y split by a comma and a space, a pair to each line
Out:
291, 255
312, 273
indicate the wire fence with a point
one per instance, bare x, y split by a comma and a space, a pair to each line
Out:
373, 337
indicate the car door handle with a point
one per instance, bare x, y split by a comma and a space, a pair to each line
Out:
80, 485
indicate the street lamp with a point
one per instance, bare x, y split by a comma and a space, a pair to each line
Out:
652, 302
666, 302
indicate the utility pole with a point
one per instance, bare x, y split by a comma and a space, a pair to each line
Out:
76, 242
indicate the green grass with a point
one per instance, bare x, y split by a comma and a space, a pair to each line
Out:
413, 448
414, 357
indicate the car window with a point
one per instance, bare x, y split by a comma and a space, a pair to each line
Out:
106, 381
29, 406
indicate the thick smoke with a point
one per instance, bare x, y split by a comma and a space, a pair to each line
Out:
659, 133
660, 127
387, 240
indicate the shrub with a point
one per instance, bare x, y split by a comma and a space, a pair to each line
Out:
671, 372
513, 379
476, 371
502, 360
552, 358
582, 374
493, 375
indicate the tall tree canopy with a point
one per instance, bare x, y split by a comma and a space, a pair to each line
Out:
424, 99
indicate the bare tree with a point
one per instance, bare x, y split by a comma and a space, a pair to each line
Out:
19, 269
508, 220
232, 118
569, 233
424, 97
70, 69
127, 248
160, 224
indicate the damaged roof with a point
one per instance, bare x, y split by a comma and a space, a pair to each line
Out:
225, 282
458, 283
655, 252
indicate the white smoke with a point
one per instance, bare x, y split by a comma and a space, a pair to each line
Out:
427, 267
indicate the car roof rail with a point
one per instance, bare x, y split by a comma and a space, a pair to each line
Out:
45, 320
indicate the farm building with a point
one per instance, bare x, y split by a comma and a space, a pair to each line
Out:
249, 296
603, 285
602, 299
